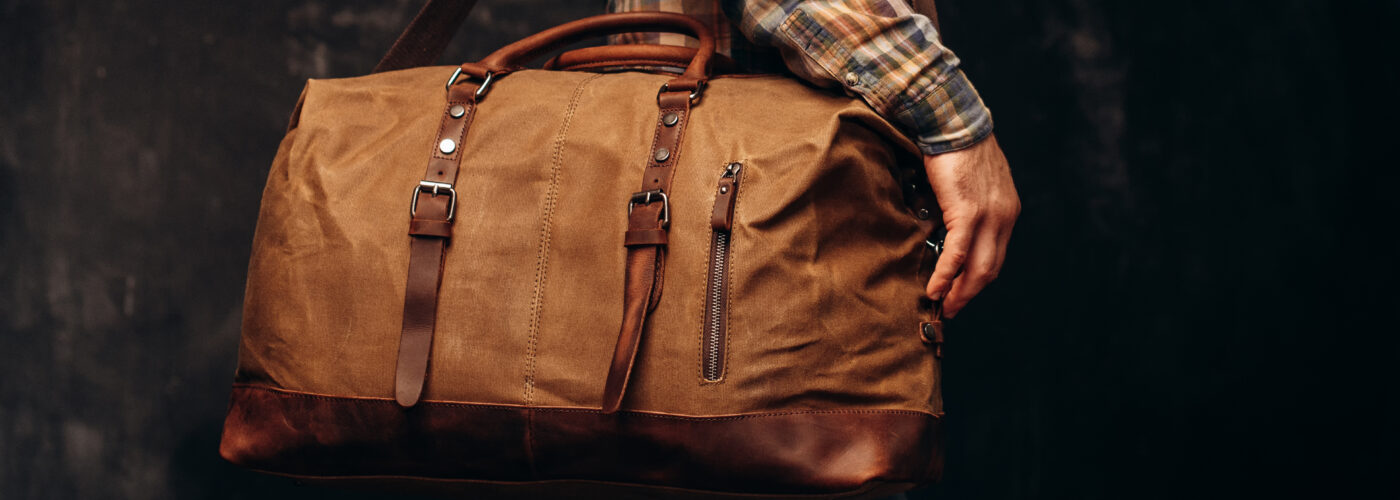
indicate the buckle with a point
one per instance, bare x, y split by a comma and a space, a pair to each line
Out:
645, 198
435, 187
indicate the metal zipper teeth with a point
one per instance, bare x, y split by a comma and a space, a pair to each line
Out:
714, 308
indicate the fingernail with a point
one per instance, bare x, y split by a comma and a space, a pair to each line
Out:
936, 296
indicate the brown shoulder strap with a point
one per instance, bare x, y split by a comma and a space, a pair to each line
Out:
424, 40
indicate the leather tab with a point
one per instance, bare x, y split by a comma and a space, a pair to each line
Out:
636, 237
426, 227
722, 218
931, 332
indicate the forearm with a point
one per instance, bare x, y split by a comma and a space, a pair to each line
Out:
879, 50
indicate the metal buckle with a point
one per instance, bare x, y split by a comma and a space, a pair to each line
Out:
435, 186
694, 94
480, 91
645, 197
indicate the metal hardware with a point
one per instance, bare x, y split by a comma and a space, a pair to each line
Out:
435, 188
485, 84
662, 154
671, 119
935, 241
694, 94
645, 198
480, 91
723, 189
447, 146
732, 169
456, 111
922, 214
937, 246
930, 332
453, 79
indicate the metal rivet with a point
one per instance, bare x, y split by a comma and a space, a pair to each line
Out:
852, 79
447, 146
662, 154
671, 119
929, 333
723, 189
923, 214
457, 111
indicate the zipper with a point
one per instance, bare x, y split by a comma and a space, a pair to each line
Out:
717, 287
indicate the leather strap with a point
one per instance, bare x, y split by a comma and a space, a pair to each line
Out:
430, 228
427, 36
647, 225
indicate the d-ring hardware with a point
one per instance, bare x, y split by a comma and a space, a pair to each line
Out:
480, 91
694, 94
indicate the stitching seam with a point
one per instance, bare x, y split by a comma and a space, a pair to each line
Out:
542, 258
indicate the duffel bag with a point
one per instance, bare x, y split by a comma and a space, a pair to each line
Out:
607, 280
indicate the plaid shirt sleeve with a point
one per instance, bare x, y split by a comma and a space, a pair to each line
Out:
880, 50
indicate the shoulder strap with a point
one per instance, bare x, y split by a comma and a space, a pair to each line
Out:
424, 40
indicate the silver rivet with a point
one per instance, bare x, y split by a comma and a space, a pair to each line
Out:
447, 146
723, 189
662, 154
671, 119
923, 214
852, 79
457, 111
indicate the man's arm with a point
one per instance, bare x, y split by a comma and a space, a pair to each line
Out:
892, 58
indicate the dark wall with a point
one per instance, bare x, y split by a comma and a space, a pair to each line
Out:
1197, 301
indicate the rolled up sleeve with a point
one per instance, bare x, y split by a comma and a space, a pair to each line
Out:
881, 51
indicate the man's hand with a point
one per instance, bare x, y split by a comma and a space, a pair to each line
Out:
980, 205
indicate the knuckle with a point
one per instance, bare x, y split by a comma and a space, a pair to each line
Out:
985, 271
953, 256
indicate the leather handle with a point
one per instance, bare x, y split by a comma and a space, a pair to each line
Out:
515, 55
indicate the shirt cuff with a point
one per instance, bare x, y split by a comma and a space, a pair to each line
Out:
947, 117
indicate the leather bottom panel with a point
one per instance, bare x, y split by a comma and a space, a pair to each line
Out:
477, 447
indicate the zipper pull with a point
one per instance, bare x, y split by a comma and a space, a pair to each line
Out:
728, 191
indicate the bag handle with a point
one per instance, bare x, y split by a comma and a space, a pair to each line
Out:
515, 55
427, 36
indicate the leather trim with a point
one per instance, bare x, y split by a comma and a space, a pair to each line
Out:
819, 452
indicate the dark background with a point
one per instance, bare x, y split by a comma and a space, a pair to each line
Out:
1198, 301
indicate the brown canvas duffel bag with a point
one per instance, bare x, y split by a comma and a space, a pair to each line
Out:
607, 281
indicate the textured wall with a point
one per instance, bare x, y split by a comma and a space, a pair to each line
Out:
1190, 306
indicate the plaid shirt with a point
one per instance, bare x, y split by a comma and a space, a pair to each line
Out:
880, 50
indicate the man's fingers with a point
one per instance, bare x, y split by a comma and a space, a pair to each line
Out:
983, 264
955, 248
